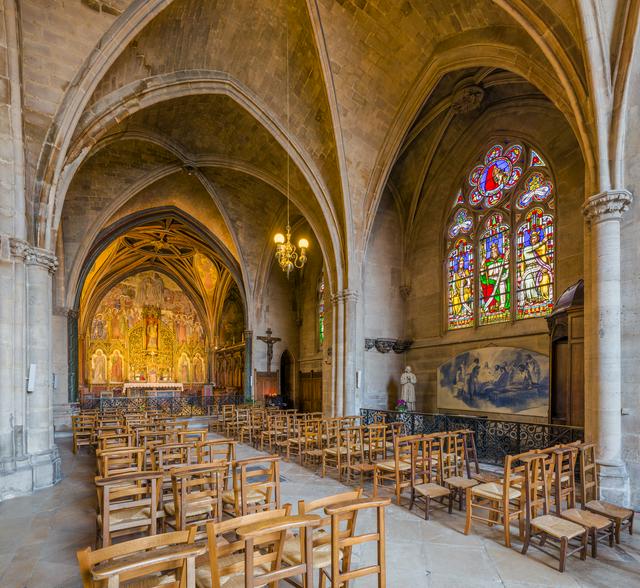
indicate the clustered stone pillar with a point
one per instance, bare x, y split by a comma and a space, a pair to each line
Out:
603, 213
344, 351
28, 456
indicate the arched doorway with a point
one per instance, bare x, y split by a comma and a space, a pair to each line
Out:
286, 379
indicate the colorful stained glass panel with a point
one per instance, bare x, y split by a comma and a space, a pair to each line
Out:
462, 223
495, 277
535, 274
460, 284
536, 188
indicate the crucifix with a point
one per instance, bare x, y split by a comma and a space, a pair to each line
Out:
269, 340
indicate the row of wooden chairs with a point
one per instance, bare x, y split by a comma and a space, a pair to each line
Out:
252, 550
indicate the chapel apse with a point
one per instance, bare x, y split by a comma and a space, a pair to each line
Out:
145, 329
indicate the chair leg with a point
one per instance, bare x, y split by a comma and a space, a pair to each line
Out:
593, 532
563, 553
527, 539
412, 499
427, 507
467, 526
585, 541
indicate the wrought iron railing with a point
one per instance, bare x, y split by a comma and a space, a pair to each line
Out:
178, 405
494, 438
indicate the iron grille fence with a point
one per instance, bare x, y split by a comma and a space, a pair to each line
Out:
178, 406
494, 438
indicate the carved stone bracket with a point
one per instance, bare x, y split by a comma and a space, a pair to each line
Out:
467, 99
402, 345
608, 205
384, 345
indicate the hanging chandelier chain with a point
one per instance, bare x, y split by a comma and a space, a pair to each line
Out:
286, 252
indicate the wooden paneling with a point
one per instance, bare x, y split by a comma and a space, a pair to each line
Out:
311, 391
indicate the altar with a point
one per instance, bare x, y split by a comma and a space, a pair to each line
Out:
152, 389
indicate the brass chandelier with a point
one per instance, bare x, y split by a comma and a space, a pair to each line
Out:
287, 254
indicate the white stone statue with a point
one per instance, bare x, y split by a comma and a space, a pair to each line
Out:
408, 394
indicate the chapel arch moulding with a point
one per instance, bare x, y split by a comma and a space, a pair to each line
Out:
96, 126
509, 50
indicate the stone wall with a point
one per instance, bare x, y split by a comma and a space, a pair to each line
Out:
426, 306
383, 307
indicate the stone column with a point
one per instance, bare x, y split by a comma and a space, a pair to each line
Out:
73, 346
603, 213
41, 265
7, 348
248, 364
344, 351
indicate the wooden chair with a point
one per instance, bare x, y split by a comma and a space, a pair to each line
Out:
165, 458
321, 537
256, 486
562, 468
312, 450
334, 451
112, 462
550, 528
341, 543
160, 560
226, 552
590, 493
264, 543
455, 465
396, 470
197, 496
502, 500
356, 457
127, 503
82, 427
376, 443
276, 426
426, 473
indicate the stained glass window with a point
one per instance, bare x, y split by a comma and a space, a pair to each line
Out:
461, 278
536, 253
321, 311
495, 278
503, 218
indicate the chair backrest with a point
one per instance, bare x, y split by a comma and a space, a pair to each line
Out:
563, 464
349, 510
149, 438
112, 462
537, 470
200, 484
318, 507
216, 449
264, 542
171, 455
223, 542
588, 473
426, 460
193, 435
402, 448
256, 484
375, 438
139, 490
157, 549
115, 440
453, 454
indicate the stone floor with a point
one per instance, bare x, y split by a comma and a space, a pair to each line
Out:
39, 536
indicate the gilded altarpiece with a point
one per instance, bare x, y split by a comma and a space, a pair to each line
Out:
145, 329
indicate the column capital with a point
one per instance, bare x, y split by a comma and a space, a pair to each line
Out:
608, 205
31, 255
345, 295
